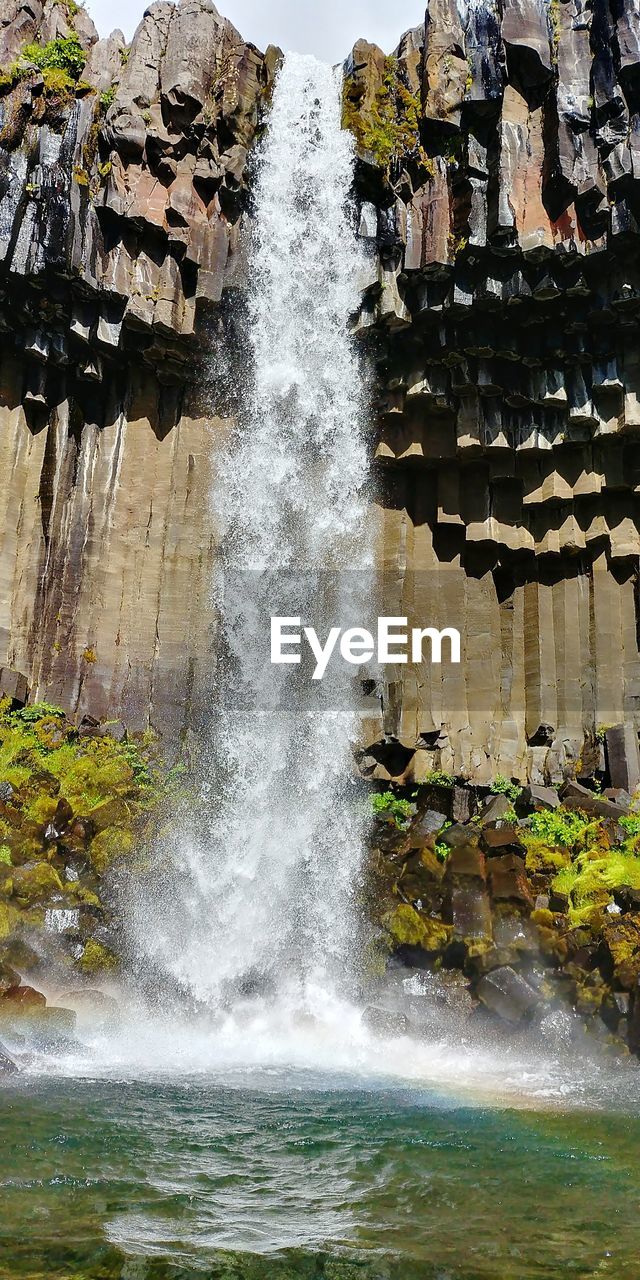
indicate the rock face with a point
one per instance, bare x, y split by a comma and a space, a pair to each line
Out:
497, 187
498, 176
121, 213
545, 917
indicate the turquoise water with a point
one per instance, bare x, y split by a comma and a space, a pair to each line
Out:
292, 1175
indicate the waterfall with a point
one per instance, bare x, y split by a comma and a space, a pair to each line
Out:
264, 904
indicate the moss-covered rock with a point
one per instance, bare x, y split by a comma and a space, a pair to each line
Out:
34, 884
544, 859
109, 845
621, 939
97, 959
409, 928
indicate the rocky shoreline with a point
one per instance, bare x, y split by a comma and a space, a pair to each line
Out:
530, 902
517, 899
79, 806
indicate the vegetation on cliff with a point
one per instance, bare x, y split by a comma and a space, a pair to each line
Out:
532, 900
74, 805
390, 127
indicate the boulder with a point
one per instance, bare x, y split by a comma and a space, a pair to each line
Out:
465, 862
502, 835
533, 798
21, 998
93, 1008
421, 877
462, 805
494, 808
575, 796
428, 824
460, 834
416, 931
13, 685
507, 994
470, 913
9, 979
621, 951
509, 882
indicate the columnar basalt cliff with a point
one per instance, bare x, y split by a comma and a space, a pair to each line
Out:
498, 193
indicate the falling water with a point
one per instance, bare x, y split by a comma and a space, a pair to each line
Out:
264, 905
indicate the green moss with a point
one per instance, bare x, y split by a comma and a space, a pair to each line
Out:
542, 858
109, 845
5, 855
555, 23
58, 83
9, 917
11, 75
97, 959
106, 98
45, 760
33, 885
408, 928
631, 824
390, 127
590, 880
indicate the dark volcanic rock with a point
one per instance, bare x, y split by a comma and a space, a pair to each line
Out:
507, 994
7, 1065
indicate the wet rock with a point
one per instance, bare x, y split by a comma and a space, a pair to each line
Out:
428, 824
413, 932
509, 882
62, 817
421, 877
460, 834
7, 1065
113, 813
35, 883
94, 1009
501, 836
465, 862
9, 979
21, 998
386, 1023
470, 914
621, 951
18, 954
507, 994
558, 900
633, 1026
44, 1027
627, 899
